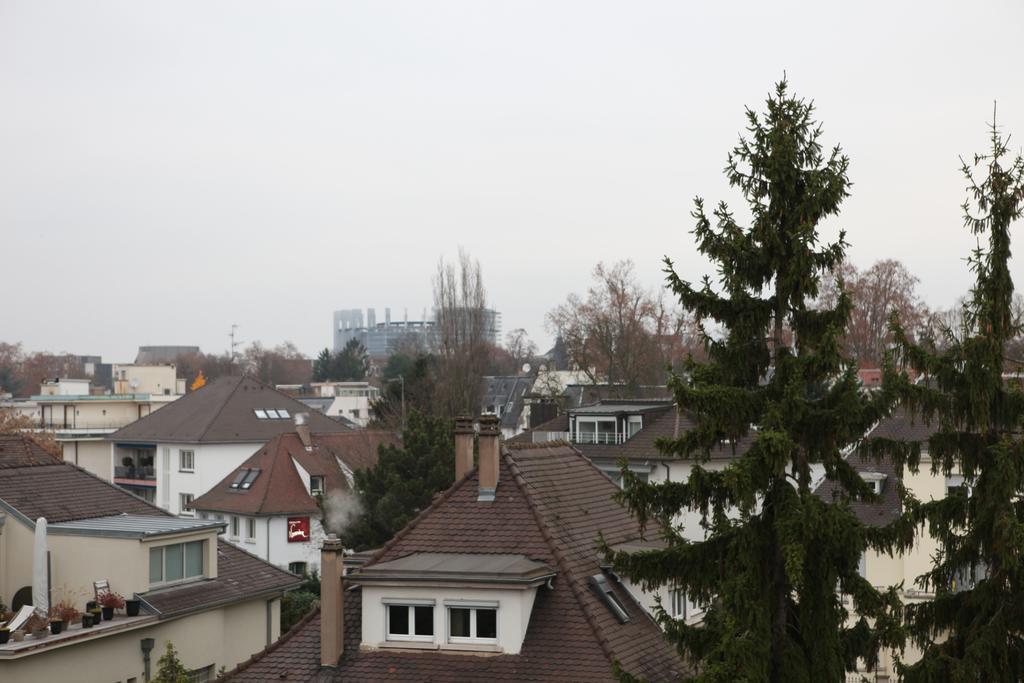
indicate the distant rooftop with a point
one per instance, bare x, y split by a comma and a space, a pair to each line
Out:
132, 526
148, 355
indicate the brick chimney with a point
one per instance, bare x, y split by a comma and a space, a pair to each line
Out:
490, 450
332, 622
302, 429
464, 433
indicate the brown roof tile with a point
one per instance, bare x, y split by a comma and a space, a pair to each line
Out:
62, 492
550, 505
223, 412
278, 489
900, 427
19, 450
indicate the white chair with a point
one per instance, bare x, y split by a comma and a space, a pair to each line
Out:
21, 617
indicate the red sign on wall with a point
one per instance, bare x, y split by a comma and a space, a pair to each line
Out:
298, 529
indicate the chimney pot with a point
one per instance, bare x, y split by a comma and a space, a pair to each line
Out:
490, 449
302, 429
332, 588
464, 433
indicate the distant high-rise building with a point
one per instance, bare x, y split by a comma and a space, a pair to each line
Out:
381, 339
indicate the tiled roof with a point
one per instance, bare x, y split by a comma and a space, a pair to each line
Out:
901, 427
19, 450
295, 656
279, 489
240, 576
550, 505
667, 424
223, 411
502, 390
63, 492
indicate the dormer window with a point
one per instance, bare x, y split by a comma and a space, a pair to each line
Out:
407, 621
875, 480
316, 485
473, 622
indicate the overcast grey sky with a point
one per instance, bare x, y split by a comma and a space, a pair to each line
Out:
169, 168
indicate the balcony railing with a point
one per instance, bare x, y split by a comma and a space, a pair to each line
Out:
600, 438
82, 424
132, 472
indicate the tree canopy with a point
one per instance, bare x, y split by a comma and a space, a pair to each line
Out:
404, 480
772, 553
974, 628
351, 364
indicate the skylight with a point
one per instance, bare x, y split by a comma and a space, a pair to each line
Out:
250, 477
599, 582
271, 414
239, 477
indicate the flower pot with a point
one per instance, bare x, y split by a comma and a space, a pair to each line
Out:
56, 626
108, 613
86, 621
97, 617
131, 607
18, 636
91, 605
5, 635
40, 633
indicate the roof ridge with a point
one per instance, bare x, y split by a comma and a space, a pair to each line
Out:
227, 399
534, 504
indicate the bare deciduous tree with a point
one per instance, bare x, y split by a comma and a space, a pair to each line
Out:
876, 293
620, 332
461, 319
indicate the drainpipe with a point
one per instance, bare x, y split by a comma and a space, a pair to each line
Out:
147, 647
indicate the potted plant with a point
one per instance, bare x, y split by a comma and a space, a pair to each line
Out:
5, 635
97, 617
109, 601
86, 620
18, 635
91, 605
131, 607
62, 616
37, 626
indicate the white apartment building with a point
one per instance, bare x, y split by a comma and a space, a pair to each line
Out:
177, 454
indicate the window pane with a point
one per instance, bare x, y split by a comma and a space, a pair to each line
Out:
487, 623
156, 565
398, 620
424, 621
194, 558
459, 622
172, 563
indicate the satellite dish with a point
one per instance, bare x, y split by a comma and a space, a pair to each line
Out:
526, 368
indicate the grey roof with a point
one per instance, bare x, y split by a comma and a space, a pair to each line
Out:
507, 391
132, 526
501, 568
607, 407
223, 412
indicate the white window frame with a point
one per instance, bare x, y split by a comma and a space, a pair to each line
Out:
472, 606
250, 529
323, 485
410, 604
184, 564
191, 458
234, 527
186, 499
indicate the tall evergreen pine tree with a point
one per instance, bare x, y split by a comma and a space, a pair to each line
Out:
773, 553
972, 631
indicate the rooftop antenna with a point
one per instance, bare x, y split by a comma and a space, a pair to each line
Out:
234, 342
